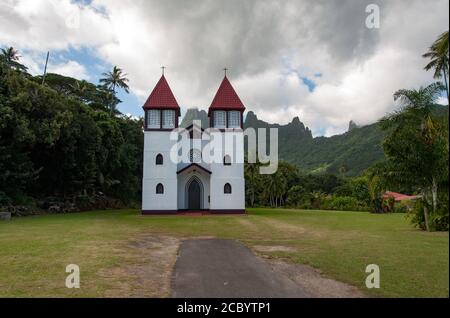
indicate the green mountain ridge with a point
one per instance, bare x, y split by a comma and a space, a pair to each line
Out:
348, 154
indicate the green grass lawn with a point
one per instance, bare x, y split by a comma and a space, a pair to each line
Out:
35, 250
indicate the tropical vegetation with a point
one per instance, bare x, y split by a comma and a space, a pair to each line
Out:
61, 147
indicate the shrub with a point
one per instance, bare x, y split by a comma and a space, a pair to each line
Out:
388, 204
438, 220
297, 196
345, 203
403, 206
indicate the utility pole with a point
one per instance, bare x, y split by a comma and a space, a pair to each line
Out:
45, 68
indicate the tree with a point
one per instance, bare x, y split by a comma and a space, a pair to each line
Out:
296, 195
416, 146
438, 54
376, 185
10, 57
80, 88
252, 181
112, 80
354, 187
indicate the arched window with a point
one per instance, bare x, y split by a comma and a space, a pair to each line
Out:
159, 189
159, 159
227, 188
227, 160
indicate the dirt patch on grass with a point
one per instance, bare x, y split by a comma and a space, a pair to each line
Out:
248, 224
146, 269
271, 248
312, 280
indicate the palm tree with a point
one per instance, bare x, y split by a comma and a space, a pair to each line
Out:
10, 56
79, 89
112, 80
417, 144
438, 54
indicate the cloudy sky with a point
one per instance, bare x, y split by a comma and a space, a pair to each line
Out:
312, 59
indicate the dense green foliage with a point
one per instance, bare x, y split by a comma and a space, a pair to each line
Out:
290, 187
58, 143
417, 153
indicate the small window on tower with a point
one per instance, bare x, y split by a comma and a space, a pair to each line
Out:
159, 189
220, 120
159, 159
153, 119
168, 119
227, 188
234, 119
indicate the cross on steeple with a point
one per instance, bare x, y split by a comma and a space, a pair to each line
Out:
225, 71
163, 68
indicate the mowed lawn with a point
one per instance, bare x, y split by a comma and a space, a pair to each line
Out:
35, 250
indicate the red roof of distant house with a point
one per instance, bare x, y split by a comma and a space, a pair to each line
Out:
226, 98
161, 97
399, 196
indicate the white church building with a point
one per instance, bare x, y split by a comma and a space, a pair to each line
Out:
192, 185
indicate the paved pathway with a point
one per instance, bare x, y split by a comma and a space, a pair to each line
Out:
226, 269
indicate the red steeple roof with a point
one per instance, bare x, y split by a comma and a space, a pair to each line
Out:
226, 98
161, 97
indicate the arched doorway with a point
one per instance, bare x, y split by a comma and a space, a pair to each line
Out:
194, 194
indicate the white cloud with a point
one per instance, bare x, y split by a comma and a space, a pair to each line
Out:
35, 62
262, 42
43, 25
71, 69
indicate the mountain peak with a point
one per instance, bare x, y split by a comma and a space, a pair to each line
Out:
251, 116
195, 114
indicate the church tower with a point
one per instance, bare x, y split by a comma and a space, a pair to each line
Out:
159, 184
227, 178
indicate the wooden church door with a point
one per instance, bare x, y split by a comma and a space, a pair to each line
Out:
194, 195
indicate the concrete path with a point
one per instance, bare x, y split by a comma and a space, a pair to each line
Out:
226, 269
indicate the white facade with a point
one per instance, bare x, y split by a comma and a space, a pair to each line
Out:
176, 179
